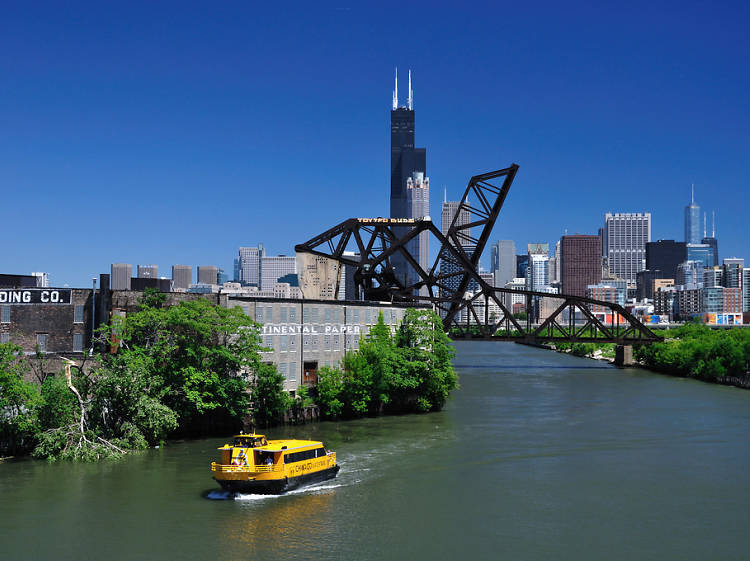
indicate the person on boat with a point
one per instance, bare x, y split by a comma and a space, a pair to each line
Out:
269, 460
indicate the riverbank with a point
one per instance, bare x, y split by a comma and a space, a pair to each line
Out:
691, 351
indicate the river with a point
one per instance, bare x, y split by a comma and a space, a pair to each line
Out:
537, 456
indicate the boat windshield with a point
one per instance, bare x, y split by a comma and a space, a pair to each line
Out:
250, 441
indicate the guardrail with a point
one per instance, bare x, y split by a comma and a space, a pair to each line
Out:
245, 469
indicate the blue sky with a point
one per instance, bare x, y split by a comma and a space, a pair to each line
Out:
175, 132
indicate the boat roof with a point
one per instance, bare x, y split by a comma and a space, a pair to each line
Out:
286, 445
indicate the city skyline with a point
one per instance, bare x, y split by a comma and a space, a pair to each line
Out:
134, 126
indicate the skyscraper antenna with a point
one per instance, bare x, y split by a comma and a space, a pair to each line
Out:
704, 224
395, 91
445, 195
411, 96
713, 224
692, 194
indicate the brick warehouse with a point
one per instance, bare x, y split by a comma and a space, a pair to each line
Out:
302, 335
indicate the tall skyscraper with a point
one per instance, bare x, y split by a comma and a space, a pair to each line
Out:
208, 274
692, 220
405, 159
580, 263
449, 210
627, 235
503, 256
148, 271
249, 265
182, 276
121, 273
711, 240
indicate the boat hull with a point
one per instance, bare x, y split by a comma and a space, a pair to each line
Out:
276, 486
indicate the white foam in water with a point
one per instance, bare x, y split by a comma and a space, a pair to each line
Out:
219, 495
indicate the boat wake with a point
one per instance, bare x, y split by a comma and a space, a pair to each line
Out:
219, 495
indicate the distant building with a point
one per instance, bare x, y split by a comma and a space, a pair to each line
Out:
664, 256
606, 293
18, 281
537, 274
626, 237
42, 279
274, 267
692, 221
182, 276
121, 275
690, 273
746, 289
701, 252
503, 266
713, 276
418, 202
522, 263
580, 263
162, 285
148, 271
249, 264
208, 274
221, 276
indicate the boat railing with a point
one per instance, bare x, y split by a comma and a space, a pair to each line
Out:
223, 468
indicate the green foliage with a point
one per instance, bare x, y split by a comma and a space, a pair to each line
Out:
270, 401
695, 350
19, 402
410, 372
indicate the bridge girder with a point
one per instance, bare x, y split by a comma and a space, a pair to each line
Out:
465, 313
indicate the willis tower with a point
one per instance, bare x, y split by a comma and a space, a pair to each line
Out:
405, 159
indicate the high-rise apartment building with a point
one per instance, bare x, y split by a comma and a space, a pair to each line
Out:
249, 265
503, 254
274, 267
121, 273
580, 263
626, 237
693, 220
221, 276
746, 289
700, 252
182, 276
208, 274
148, 271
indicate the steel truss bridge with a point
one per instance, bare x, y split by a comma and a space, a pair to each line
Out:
377, 252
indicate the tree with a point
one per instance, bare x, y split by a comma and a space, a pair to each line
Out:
270, 401
19, 402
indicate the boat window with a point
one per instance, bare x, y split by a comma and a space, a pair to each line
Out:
305, 455
244, 442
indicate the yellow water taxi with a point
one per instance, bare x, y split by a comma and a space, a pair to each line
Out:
252, 464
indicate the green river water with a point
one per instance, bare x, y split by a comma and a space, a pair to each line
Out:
537, 456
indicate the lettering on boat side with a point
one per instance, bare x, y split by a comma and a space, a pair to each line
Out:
36, 296
311, 328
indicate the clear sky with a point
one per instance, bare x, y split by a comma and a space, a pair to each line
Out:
175, 132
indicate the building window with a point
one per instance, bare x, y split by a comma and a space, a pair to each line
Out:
314, 315
41, 342
292, 315
282, 369
4, 337
307, 341
77, 342
306, 315
5, 314
328, 315
368, 316
78, 314
259, 314
328, 342
356, 315
284, 342
335, 342
292, 371
282, 315
292, 343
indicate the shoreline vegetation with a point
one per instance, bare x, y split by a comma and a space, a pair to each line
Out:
719, 356
195, 370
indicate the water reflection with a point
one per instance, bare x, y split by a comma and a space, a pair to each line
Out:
290, 524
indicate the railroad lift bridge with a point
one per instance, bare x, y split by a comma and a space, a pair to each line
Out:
377, 251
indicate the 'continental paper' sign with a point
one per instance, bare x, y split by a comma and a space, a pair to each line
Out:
310, 328
35, 296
